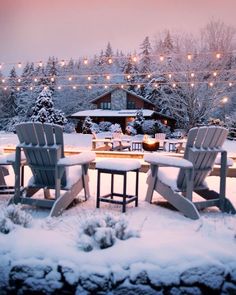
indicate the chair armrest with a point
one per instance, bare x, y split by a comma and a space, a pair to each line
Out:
166, 161
81, 159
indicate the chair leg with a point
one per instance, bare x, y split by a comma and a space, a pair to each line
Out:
98, 189
124, 193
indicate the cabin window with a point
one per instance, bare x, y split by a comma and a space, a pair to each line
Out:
131, 105
105, 105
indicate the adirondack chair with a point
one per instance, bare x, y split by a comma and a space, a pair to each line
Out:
43, 147
161, 138
176, 179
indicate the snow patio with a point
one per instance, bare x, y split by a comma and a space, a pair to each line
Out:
159, 252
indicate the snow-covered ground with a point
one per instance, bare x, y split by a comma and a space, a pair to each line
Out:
168, 244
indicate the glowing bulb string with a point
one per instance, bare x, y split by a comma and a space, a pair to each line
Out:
149, 75
133, 57
123, 85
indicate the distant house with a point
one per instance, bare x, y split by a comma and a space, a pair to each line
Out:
120, 106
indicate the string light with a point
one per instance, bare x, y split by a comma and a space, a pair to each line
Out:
89, 78
52, 79
108, 77
31, 88
19, 64
35, 79
156, 85
59, 87
192, 84
161, 58
40, 64
214, 74
45, 87
5, 88
18, 88
19, 80
169, 75
3, 80
230, 84
211, 84
128, 76
70, 78
110, 60
85, 61
138, 85
192, 75
149, 76
89, 87
173, 85
0, 66
189, 56
63, 63
105, 86
74, 87
218, 55
122, 86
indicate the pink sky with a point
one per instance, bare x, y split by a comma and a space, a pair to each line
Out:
33, 30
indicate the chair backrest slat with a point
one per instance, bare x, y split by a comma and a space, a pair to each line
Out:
42, 137
204, 141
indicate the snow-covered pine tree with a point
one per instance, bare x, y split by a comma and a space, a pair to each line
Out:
44, 111
87, 125
138, 121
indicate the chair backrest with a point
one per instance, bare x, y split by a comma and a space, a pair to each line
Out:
206, 142
43, 146
160, 136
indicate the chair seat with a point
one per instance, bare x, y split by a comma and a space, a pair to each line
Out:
169, 175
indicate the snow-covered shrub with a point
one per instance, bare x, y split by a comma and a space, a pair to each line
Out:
105, 126
69, 127
105, 237
11, 125
130, 130
115, 128
95, 128
13, 215
102, 231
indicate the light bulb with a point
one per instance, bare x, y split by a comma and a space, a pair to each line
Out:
19, 64
211, 84
85, 61
70, 78
62, 63
40, 64
110, 61
74, 87
192, 84
108, 77
189, 56
35, 79
3, 80
192, 75
218, 55
174, 85
161, 57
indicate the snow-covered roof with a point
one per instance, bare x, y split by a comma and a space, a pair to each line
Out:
111, 113
127, 91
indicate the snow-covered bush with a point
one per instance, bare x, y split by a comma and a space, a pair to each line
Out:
13, 215
154, 126
102, 231
115, 128
95, 128
69, 127
105, 126
130, 130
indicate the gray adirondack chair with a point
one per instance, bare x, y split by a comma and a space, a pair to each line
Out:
43, 147
202, 147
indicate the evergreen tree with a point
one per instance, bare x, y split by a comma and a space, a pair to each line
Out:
87, 125
138, 121
44, 111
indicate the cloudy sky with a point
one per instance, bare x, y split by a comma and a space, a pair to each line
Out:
35, 29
